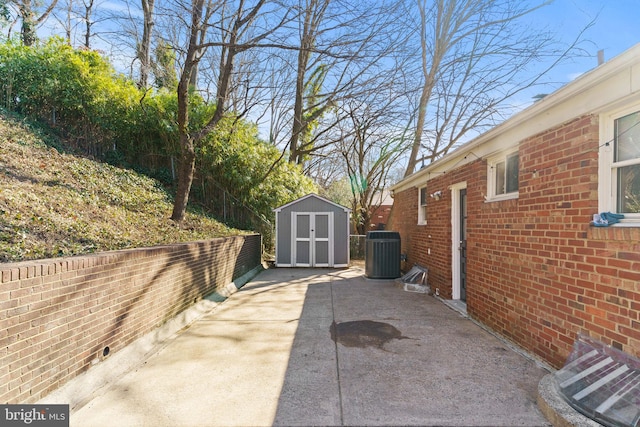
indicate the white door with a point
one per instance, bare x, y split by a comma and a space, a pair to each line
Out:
321, 232
312, 243
459, 240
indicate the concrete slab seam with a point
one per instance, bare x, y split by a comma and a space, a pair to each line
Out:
335, 344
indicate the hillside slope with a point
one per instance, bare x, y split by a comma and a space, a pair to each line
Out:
56, 204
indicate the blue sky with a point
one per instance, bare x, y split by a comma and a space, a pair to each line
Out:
616, 29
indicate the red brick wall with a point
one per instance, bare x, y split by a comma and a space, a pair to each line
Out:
379, 216
538, 273
417, 240
403, 218
57, 315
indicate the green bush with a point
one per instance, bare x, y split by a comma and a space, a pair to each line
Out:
235, 158
78, 93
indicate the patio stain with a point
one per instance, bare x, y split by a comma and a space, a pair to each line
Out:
364, 333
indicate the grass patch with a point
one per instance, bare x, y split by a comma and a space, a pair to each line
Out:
54, 203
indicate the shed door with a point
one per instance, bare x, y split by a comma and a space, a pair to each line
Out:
312, 244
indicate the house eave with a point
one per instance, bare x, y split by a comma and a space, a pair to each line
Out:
523, 120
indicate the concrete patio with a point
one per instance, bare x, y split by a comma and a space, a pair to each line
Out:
325, 347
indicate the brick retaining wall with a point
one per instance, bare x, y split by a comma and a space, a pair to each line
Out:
57, 316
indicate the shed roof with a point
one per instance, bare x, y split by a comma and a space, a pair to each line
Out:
311, 195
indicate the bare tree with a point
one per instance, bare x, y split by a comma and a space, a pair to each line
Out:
27, 13
88, 21
130, 34
81, 21
278, 96
144, 51
312, 16
370, 147
238, 33
65, 14
341, 43
199, 24
474, 56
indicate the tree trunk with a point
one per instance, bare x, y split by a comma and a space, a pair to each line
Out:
307, 40
442, 25
298, 108
67, 25
186, 169
30, 22
417, 138
28, 30
145, 44
88, 11
186, 166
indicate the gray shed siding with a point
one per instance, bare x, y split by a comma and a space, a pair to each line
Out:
312, 204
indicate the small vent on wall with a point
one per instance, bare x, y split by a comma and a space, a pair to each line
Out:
602, 382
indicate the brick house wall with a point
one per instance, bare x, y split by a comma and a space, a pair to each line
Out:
58, 315
537, 272
379, 217
429, 245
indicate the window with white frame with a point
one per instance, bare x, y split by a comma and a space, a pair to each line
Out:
503, 176
422, 205
619, 189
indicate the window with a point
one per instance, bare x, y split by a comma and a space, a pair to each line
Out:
503, 177
619, 189
626, 163
422, 205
